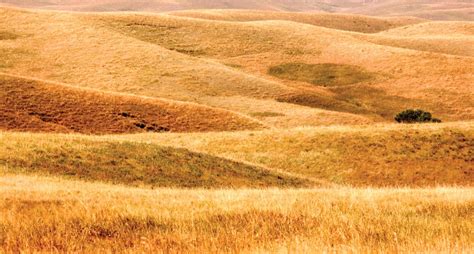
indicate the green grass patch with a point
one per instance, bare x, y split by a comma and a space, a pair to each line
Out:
133, 164
321, 74
266, 114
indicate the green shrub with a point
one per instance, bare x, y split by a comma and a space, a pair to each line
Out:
415, 116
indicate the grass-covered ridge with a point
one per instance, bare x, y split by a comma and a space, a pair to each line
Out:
131, 163
326, 74
384, 155
36, 105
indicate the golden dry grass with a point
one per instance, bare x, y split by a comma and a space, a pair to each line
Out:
32, 105
212, 61
56, 215
347, 22
431, 9
381, 155
212, 71
133, 164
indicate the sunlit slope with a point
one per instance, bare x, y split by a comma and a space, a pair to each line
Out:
131, 163
212, 62
347, 22
400, 77
455, 38
32, 105
384, 155
91, 54
431, 9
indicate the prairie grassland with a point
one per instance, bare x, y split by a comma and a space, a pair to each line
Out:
346, 22
375, 187
375, 155
133, 163
383, 155
57, 215
209, 61
430, 9
31, 105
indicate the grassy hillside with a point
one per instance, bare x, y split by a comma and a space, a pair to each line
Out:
347, 22
214, 62
432, 9
384, 155
235, 131
44, 214
32, 105
131, 163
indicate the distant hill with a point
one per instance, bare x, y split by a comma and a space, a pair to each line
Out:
430, 9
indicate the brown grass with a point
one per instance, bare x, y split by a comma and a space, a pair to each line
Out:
53, 215
346, 22
431, 9
30, 105
321, 74
132, 163
384, 155
125, 73
191, 59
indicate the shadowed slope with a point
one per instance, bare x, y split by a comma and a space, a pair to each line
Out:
391, 155
30, 105
356, 23
131, 163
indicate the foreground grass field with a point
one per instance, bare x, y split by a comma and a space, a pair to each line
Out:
55, 215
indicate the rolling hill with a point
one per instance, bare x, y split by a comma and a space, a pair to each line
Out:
364, 156
236, 131
230, 64
131, 163
431, 9
32, 105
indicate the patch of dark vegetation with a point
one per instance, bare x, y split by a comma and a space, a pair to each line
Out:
126, 114
188, 51
140, 125
151, 127
415, 116
5, 35
237, 66
42, 116
377, 101
324, 102
266, 114
358, 99
327, 74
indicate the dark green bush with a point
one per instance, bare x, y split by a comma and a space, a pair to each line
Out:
415, 116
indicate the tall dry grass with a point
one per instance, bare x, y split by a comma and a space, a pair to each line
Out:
54, 215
